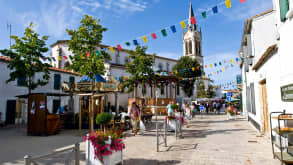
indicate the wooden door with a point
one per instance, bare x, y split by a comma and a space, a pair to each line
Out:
37, 114
265, 108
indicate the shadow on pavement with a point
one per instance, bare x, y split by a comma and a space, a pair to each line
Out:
149, 162
204, 133
182, 147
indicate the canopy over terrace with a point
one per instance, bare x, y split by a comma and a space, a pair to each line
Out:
94, 92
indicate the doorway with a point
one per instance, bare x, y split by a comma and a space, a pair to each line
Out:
10, 111
265, 106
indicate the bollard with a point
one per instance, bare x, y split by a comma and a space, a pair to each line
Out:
77, 153
27, 160
165, 133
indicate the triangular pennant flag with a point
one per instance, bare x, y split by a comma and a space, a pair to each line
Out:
59, 58
215, 9
144, 38
242, 1
70, 57
97, 53
119, 47
205, 66
193, 69
135, 42
164, 32
53, 58
193, 20
49, 59
173, 28
204, 14
211, 65
231, 60
197, 67
183, 25
220, 63
87, 54
65, 57
154, 36
215, 64
111, 49
228, 3
127, 43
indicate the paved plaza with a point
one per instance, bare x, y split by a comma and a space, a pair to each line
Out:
210, 140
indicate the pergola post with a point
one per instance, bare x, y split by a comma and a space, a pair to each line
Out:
79, 113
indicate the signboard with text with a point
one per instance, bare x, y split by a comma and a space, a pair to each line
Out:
287, 93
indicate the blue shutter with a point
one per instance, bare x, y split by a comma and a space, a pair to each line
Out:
21, 81
72, 79
57, 81
284, 8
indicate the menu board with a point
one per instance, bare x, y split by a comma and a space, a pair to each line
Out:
287, 93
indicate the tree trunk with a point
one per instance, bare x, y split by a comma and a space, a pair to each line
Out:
135, 91
92, 107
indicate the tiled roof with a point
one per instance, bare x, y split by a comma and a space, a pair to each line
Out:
7, 59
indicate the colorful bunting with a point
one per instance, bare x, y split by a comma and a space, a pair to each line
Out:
70, 57
144, 38
135, 42
59, 58
242, 1
65, 57
44, 58
204, 14
164, 32
228, 3
215, 9
183, 25
111, 49
173, 28
205, 66
154, 36
53, 58
119, 47
49, 59
211, 65
127, 43
193, 20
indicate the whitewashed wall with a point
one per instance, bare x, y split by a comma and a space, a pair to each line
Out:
10, 90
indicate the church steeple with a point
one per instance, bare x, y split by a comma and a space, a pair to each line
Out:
191, 14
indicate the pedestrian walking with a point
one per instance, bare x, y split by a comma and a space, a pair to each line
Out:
193, 109
187, 115
134, 115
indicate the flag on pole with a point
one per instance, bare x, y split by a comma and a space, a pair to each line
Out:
228, 3
173, 28
154, 36
144, 38
119, 47
204, 14
111, 49
135, 42
183, 25
164, 32
193, 20
215, 9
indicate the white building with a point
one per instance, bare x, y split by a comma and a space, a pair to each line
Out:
15, 88
266, 67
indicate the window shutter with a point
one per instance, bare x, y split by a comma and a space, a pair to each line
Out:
57, 81
72, 79
284, 8
21, 81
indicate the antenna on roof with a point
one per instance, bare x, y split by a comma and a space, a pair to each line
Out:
9, 28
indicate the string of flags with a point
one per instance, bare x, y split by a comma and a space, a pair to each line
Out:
162, 32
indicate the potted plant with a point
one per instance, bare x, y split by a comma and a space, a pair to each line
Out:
174, 107
231, 114
103, 119
104, 148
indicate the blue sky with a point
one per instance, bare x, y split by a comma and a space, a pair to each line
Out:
129, 19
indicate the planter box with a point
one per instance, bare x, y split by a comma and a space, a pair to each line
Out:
171, 125
231, 117
113, 159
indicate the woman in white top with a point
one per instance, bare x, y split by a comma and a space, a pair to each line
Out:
187, 115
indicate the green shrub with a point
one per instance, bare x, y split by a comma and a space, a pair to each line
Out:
103, 118
174, 106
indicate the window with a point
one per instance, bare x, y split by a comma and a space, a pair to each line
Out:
186, 47
190, 47
284, 8
252, 97
178, 89
162, 90
126, 60
57, 81
66, 65
160, 66
168, 66
56, 105
71, 79
117, 58
21, 81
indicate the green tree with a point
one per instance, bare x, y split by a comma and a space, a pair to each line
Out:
140, 67
25, 61
87, 60
187, 67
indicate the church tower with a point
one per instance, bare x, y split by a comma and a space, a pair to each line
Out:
192, 40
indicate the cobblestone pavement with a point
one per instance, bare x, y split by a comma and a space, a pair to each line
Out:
210, 140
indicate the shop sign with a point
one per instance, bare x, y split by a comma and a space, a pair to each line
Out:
287, 93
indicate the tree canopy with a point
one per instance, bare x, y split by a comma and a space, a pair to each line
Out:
25, 61
140, 68
83, 43
187, 67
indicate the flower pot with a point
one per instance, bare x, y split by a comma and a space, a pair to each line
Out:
171, 125
113, 159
